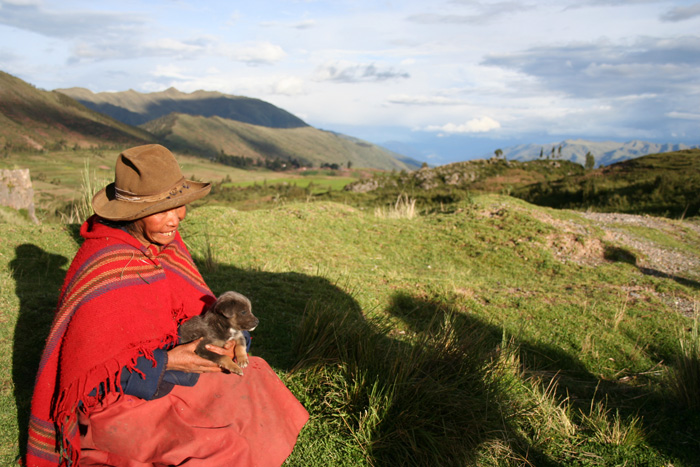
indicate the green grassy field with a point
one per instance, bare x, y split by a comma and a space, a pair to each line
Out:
317, 184
490, 333
58, 177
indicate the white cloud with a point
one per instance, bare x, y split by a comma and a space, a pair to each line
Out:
347, 72
683, 115
476, 125
289, 86
682, 13
254, 53
170, 71
22, 2
405, 99
478, 14
32, 16
169, 46
303, 24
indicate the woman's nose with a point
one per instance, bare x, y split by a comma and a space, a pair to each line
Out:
175, 216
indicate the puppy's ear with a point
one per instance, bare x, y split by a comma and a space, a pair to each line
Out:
231, 303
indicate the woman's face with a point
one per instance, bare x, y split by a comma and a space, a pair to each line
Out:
158, 228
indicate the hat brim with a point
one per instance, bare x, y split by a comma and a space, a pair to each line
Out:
105, 204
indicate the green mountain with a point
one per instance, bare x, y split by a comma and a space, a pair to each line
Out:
33, 119
204, 124
211, 124
135, 108
216, 136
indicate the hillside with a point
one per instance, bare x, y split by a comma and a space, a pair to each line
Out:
666, 184
32, 119
453, 182
605, 152
211, 136
496, 333
135, 108
661, 184
210, 123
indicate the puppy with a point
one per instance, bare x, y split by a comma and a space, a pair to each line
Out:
223, 321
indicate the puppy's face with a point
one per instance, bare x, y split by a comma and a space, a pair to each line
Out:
237, 310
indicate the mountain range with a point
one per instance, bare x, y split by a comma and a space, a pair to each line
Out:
135, 108
206, 124
212, 123
575, 150
32, 119
215, 126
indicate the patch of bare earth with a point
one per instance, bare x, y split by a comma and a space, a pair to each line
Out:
574, 242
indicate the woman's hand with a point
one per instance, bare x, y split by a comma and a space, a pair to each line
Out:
226, 350
182, 357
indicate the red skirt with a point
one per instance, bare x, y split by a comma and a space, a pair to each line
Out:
224, 420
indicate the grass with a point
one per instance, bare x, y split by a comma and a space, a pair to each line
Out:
659, 184
684, 377
457, 337
315, 184
63, 180
404, 208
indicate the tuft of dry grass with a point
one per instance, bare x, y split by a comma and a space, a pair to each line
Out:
607, 427
91, 183
403, 208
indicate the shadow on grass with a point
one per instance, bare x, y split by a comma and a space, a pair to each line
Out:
398, 402
671, 430
622, 255
279, 301
38, 278
427, 395
425, 401
423, 396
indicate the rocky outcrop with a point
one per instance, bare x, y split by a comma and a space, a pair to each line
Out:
16, 191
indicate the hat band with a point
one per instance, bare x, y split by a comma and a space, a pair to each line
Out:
124, 195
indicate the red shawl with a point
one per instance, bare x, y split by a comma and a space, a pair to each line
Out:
119, 300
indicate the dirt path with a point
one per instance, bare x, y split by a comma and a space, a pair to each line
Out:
654, 258
666, 260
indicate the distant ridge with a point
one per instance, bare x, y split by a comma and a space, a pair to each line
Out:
211, 136
209, 123
135, 108
38, 120
34, 119
575, 150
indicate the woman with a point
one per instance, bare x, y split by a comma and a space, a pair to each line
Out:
114, 386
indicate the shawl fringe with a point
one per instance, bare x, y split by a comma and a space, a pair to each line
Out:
78, 394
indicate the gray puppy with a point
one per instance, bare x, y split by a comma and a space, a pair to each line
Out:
224, 321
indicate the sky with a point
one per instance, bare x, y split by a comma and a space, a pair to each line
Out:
437, 80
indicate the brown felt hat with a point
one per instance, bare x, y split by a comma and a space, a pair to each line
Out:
147, 180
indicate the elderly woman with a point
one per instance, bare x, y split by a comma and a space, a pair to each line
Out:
115, 386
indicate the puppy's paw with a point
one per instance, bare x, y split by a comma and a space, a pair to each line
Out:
242, 361
237, 370
229, 366
233, 368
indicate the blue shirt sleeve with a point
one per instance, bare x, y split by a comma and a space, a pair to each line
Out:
143, 382
153, 381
